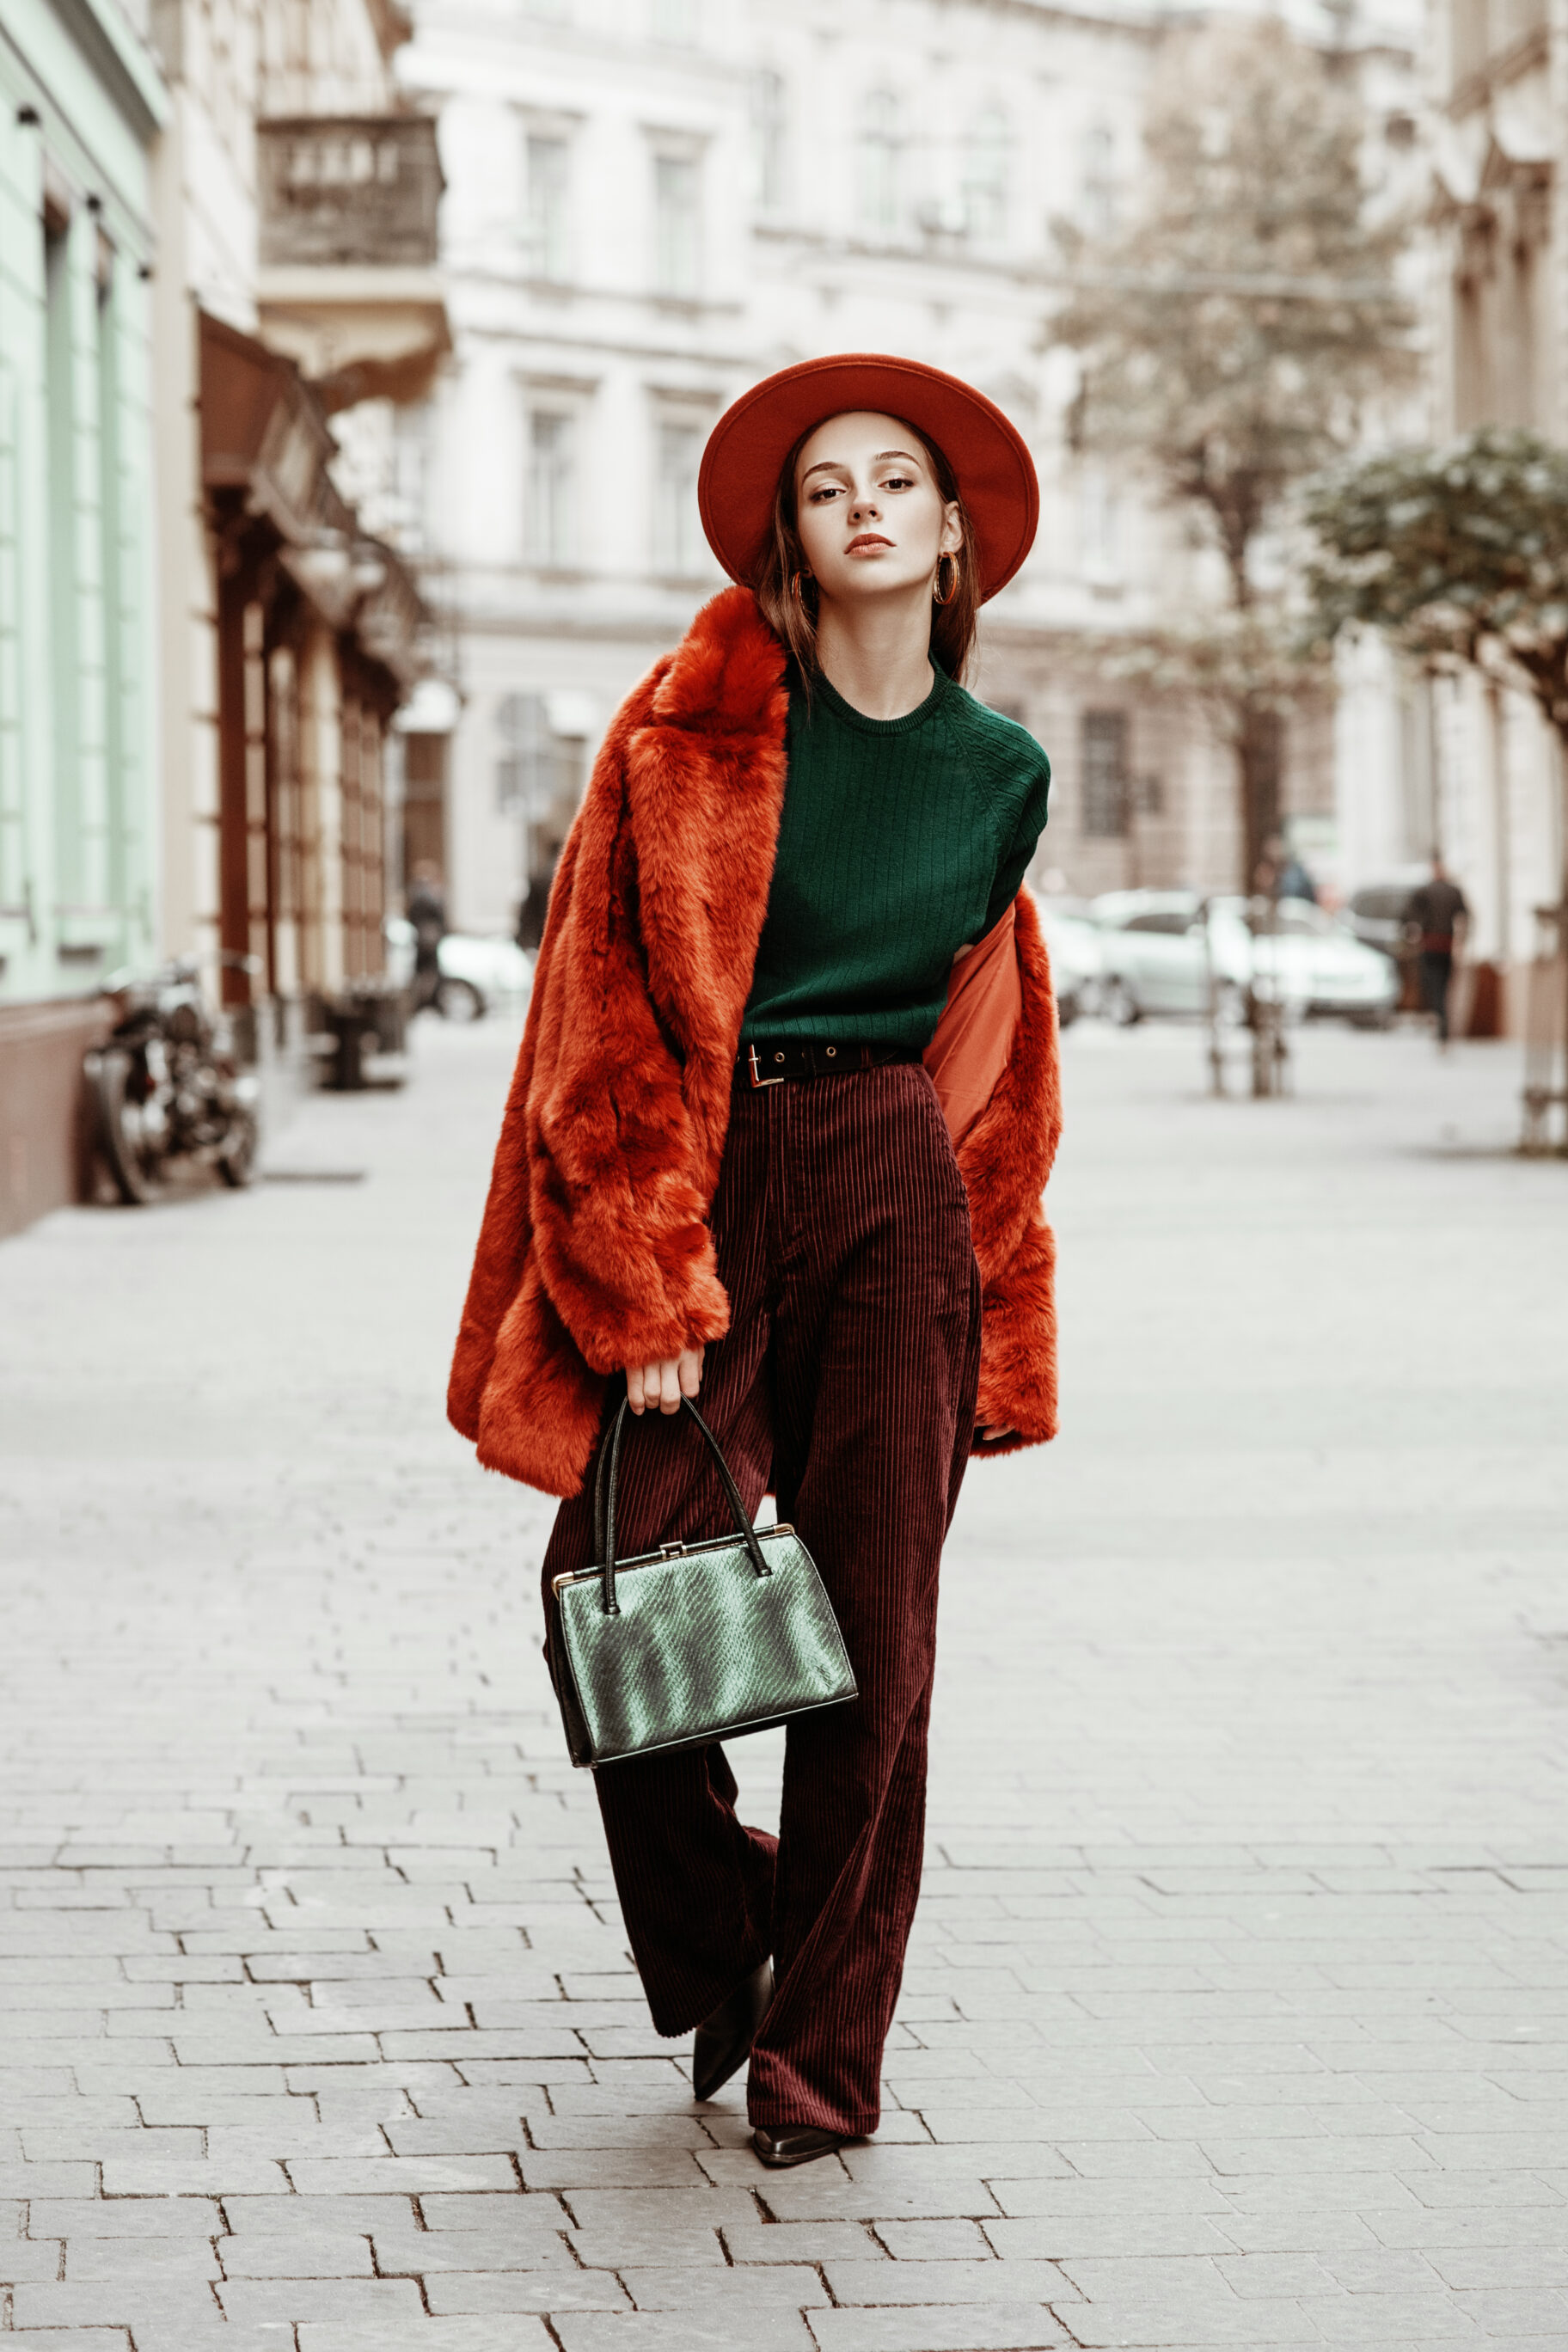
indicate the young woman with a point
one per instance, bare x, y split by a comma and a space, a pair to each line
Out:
784, 1108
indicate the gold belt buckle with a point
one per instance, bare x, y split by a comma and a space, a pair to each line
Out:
757, 1078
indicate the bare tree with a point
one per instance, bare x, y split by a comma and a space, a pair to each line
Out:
1234, 335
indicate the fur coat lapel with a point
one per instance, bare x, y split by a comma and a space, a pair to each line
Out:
595, 1250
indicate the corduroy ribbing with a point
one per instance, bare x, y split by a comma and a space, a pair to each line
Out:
846, 1381
901, 841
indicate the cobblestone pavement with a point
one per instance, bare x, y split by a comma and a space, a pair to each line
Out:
1237, 2012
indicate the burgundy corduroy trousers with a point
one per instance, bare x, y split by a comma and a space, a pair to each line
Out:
845, 1384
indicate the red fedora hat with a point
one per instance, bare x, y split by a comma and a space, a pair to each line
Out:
747, 448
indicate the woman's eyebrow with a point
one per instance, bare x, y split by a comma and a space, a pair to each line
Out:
836, 465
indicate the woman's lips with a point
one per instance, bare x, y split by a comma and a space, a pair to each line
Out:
867, 540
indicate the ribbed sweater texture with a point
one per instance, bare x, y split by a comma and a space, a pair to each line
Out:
901, 841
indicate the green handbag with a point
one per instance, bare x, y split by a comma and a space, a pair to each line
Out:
694, 1642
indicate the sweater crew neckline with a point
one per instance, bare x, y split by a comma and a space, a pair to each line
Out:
906, 725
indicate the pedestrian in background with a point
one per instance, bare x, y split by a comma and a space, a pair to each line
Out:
1436, 913
427, 907
784, 1108
1295, 878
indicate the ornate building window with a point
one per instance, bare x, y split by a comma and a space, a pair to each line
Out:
770, 137
678, 542
549, 532
676, 224
549, 221
1103, 765
879, 154
984, 189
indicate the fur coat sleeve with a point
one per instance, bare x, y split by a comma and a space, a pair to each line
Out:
595, 1250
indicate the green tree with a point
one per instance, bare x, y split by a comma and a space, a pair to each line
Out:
1460, 555
1456, 554
1236, 333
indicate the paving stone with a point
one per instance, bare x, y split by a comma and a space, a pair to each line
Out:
115, 2303
935, 2327
124, 2216
508, 2335
300, 2254
118, 2261
947, 2283
750, 2243
937, 2242
399, 2176
1131, 2319
791, 2286
72, 2340
560, 2288
388, 2303
696, 2329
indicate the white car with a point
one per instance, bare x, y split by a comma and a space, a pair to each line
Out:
1164, 950
1073, 943
477, 971
1308, 960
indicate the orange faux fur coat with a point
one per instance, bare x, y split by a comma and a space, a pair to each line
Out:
595, 1250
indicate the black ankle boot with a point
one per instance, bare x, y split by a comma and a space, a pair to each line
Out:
724, 2040
782, 2144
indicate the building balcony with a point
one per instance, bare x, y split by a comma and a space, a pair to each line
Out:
349, 287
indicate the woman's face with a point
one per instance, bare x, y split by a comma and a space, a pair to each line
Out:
870, 518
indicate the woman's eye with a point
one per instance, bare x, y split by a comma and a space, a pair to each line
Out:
899, 482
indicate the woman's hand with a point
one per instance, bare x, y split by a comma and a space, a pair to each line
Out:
994, 1436
664, 1385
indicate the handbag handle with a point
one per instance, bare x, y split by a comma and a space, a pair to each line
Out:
605, 1503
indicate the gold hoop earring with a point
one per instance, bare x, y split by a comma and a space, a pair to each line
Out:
798, 593
936, 596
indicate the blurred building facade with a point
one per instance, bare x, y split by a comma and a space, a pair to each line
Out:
1500, 231
219, 233
298, 308
1433, 760
653, 203
82, 108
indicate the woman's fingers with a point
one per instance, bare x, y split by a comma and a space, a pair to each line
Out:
662, 1385
990, 1435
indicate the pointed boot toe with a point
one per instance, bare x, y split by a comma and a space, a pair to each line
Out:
781, 2144
724, 2040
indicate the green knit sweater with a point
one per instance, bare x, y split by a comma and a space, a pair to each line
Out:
901, 840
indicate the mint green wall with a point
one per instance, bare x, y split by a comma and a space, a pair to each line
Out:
77, 618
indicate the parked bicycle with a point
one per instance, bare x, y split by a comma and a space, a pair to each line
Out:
166, 1086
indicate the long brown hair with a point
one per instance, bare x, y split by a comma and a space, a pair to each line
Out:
794, 618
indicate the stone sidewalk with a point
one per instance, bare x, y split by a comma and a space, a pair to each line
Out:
1238, 2008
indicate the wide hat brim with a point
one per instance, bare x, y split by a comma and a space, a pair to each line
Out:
747, 448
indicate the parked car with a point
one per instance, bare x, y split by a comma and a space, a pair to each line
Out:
477, 969
1073, 942
1312, 961
1153, 953
1163, 950
1375, 915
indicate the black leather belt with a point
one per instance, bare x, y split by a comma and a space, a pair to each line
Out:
772, 1060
